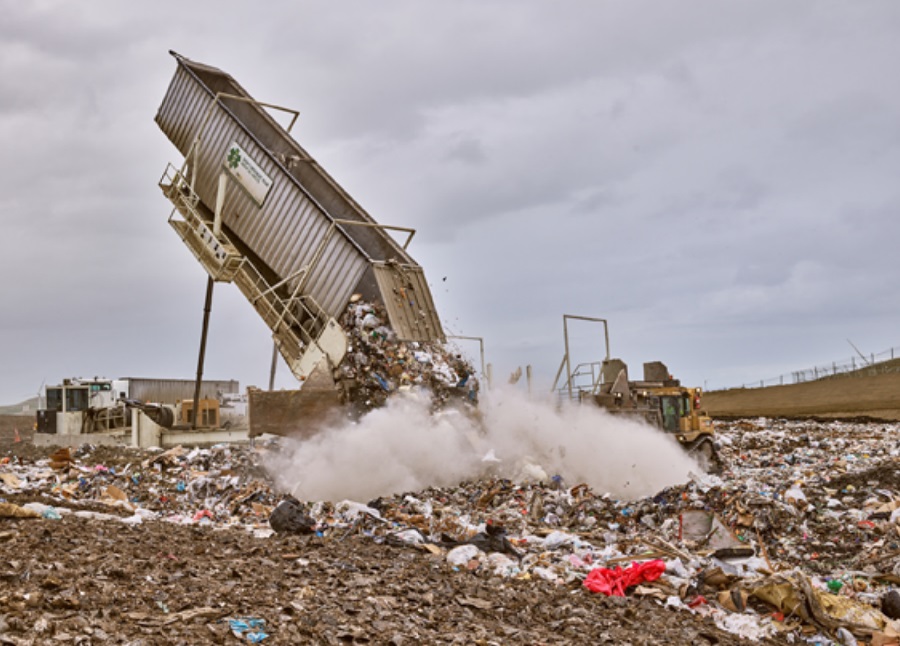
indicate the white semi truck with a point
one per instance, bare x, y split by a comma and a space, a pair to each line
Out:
82, 406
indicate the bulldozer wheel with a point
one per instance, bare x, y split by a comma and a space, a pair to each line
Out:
705, 454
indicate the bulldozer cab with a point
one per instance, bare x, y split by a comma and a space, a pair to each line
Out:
678, 411
672, 412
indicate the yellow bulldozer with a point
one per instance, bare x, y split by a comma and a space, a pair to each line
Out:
659, 399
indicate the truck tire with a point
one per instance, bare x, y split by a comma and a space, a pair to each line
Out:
165, 417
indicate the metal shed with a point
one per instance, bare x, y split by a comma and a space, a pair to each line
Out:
172, 391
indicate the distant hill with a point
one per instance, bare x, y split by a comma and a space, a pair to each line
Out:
871, 392
27, 407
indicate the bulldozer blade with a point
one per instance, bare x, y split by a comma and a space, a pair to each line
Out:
296, 413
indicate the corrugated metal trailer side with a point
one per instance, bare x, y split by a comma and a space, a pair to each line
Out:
304, 219
288, 230
172, 391
255, 209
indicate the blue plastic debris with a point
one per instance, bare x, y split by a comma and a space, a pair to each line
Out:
249, 628
381, 382
51, 514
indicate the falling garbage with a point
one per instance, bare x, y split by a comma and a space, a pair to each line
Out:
378, 364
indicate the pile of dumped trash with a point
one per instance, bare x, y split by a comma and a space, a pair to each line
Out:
798, 539
378, 363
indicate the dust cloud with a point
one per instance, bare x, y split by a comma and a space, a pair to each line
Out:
402, 447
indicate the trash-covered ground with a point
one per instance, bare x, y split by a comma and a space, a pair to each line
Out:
797, 541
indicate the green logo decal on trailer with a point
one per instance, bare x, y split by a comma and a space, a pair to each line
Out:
234, 157
247, 173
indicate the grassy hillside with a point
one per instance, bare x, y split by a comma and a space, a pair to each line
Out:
865, 393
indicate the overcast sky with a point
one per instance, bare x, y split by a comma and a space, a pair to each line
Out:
717, 180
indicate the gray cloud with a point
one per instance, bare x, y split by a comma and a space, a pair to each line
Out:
717, 181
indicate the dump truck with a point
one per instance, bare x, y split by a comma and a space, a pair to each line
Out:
659, 399
256, 210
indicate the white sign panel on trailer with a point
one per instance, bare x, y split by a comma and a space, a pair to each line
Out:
247, 173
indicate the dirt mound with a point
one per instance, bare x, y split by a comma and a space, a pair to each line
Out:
860, 395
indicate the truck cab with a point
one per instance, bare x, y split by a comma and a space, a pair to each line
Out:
70, 407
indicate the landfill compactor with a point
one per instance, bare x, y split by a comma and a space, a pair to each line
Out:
256, 209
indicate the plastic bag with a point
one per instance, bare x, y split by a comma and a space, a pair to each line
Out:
614, 583
462, 554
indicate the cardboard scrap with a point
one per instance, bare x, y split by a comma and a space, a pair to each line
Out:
61, 459
9, 510
115, 497
167, 457
10, 480
795, 596
734, 600
890, 636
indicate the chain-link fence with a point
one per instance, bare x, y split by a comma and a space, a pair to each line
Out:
860, 365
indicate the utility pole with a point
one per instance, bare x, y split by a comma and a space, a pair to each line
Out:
861, 355
207, 307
